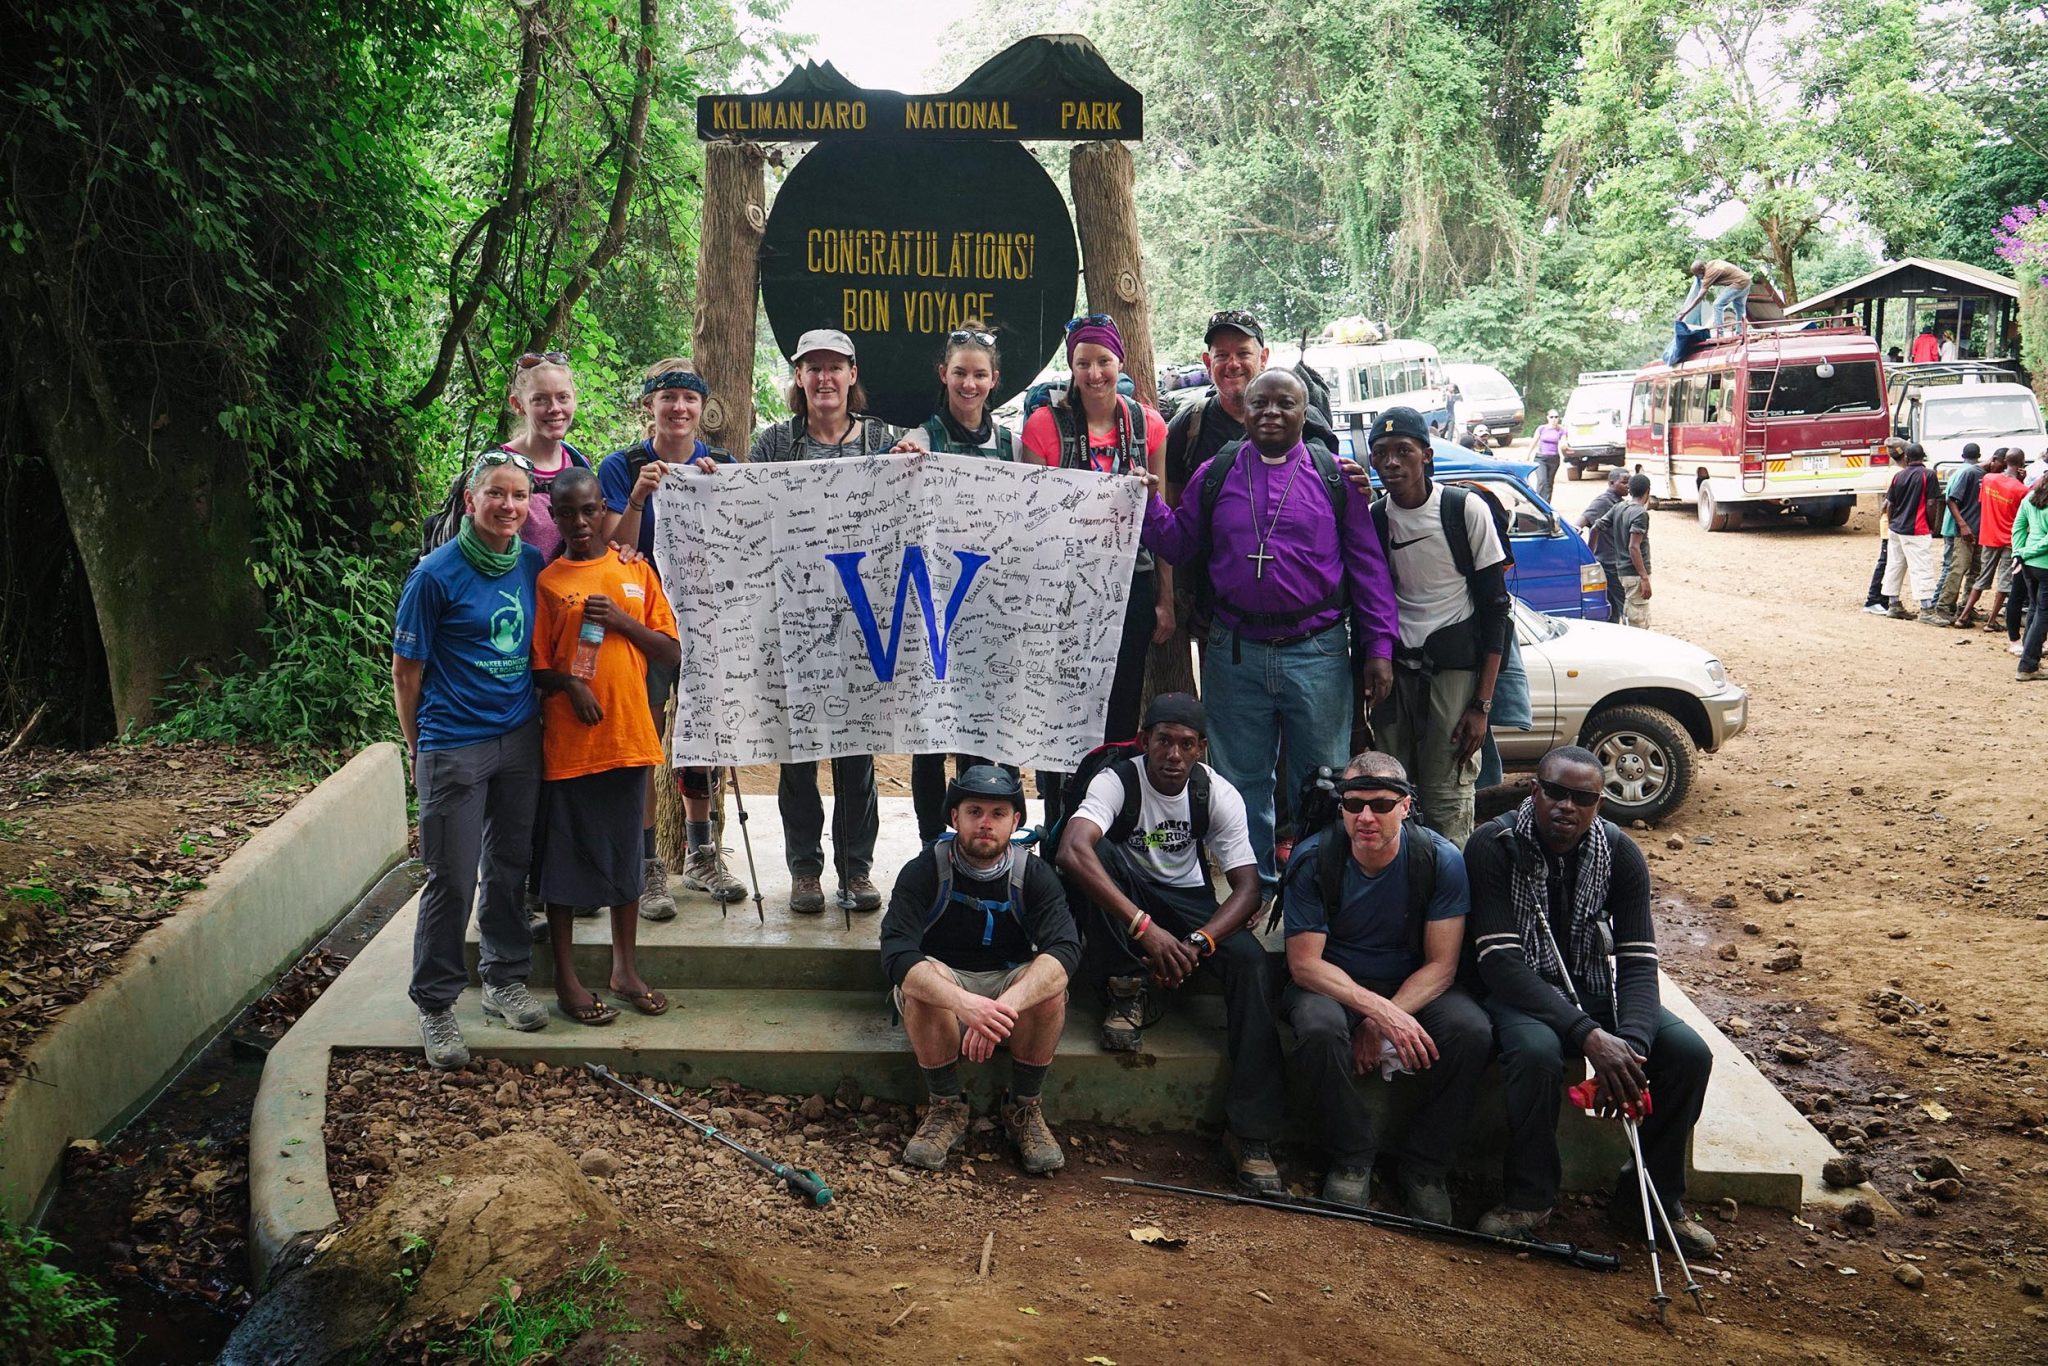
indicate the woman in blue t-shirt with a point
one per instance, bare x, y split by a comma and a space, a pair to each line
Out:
461, 677
672, 397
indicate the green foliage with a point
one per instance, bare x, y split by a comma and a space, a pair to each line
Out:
49, 1317
512, 1329
1996, 177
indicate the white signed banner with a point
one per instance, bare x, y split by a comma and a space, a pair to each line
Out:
895, 604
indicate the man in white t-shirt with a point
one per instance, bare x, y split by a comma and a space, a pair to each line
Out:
1455, 615
1134, 849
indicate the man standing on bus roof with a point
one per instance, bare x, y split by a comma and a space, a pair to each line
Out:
1549, 440
1731, 285
1912, 508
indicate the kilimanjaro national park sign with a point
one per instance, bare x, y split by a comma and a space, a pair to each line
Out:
915, 214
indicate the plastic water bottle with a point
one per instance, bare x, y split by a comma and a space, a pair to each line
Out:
587, 640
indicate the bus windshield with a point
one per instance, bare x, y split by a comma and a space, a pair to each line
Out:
1801, 391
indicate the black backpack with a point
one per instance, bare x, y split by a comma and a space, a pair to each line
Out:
1335, 487
1012, 905
1457, 645
1326, 864
1122, 758
1074, 435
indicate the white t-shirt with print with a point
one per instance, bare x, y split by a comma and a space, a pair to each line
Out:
1163, 845
1429, 592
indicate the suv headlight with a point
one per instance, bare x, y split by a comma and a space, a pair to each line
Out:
1717, 674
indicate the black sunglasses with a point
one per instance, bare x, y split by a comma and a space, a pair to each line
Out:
1558, 792
533, 358
959, 335
1091, 320
490, 458
1231, 317
1380, 805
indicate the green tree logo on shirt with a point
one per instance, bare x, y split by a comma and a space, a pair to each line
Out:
508, 626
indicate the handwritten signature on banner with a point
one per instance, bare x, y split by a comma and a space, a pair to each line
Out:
893, 604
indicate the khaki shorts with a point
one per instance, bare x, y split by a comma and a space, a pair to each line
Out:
991, 984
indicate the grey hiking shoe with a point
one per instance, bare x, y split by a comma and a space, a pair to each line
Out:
1348, 1186
515, 1005
942, 1130
705, 871
1250, 1160
1424, 1197
656, 901
806, 894
860, 893
1503, 1221
1038, 1152
443, 1038
1123, 1028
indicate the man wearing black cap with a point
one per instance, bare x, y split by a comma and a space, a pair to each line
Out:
1375, 913
979, 947
1135, 849
1450, 587
1234, 352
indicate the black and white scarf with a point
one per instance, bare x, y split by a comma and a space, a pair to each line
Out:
1591, 936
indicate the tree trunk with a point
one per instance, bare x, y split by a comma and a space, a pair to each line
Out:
158, 502
1106, 215
728, 285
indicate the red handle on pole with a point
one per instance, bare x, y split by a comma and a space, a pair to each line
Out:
1584, 1097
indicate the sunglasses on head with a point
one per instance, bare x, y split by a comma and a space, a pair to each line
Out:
514, 458
1232, 317
533, 358
1379, 806
1558, 792
1091, 320
961, 334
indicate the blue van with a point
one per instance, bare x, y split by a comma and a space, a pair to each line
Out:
1555, 571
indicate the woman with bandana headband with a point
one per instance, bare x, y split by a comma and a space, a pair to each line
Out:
672, 396
1095, 428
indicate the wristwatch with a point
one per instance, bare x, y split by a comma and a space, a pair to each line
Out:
1482, 705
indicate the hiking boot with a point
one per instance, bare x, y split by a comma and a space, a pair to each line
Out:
1123, 1028
1503, 1221
656, 901
859, 893
705, 871
1693, 1238
1625, 1215
443, 1038
515, 1005
1349, 1186
1898, 611
944, 1128
1038, 1152
1933, 618
1251, 1162
806, 894
1424, 1197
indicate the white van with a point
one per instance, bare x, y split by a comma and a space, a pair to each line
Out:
1945, 414
1594, 433
1486, 395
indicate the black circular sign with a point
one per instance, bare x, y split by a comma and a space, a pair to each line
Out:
895, 244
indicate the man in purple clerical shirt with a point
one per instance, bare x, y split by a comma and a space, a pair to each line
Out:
1298, 581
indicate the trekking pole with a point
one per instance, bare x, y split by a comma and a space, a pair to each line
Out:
1324, 1209
803, 1183
747, 843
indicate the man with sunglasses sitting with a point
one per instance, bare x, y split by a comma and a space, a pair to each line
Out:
1556, 890
1375, 910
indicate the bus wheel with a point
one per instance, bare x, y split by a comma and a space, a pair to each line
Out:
1834, 516
1648, 760
1574, 471
1714, 517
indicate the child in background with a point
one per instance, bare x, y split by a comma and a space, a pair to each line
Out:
597, 740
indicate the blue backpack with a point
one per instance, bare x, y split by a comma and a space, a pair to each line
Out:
942, 853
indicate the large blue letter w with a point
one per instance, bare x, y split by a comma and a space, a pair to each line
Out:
937, 632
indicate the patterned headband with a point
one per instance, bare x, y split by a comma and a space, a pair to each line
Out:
675, 379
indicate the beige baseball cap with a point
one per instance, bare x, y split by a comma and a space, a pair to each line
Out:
822, 339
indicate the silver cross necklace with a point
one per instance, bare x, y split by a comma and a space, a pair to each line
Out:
1259, 557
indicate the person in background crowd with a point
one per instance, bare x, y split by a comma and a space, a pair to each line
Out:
1290, 561
1373, 988
969, 371
825, 422
1627, 528
1959, 532
1998, 499
1095, 428
1143, 866
2038, 470
462, 683
1454, 614
1548, 453
1949, 349
1926, 346
672, 396
2030, 576
1589, 522
597, 742
1555, 890
1912, 509
979, 947
1452, 393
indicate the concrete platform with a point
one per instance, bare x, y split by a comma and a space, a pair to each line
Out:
796, 1004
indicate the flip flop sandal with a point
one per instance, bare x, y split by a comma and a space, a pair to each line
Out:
646, 1002
596, 1013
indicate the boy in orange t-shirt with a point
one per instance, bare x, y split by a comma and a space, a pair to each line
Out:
597, 741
